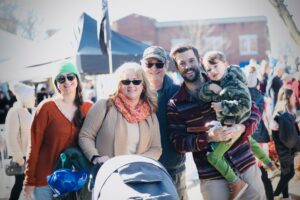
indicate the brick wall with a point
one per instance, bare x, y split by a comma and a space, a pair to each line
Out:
163, 33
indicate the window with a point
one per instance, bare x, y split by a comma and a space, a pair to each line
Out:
248, 44
213, 43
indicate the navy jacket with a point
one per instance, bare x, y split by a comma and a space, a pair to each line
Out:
170, 158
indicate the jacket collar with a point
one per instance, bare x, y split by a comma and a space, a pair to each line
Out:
166, 83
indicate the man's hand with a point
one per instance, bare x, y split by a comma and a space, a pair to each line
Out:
235, 131
217, 135
226, 133
215, 88
217, 106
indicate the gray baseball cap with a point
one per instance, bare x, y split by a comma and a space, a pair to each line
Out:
155, 52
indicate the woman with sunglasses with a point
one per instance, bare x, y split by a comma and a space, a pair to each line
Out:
17, 125
126, 122
55, 127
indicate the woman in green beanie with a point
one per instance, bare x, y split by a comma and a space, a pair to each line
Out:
55, 128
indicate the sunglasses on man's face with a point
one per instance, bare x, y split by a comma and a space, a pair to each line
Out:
158, 65
61, 79
134, 82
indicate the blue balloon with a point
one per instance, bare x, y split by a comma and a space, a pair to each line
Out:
63, 181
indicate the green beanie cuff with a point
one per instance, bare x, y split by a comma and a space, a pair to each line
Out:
68, 68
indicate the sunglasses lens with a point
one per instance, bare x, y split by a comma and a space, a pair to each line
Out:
70, 77
61, 79
125, 82
159, 65
149, 65
136, 82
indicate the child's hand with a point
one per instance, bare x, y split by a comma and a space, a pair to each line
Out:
217, 106
215, 88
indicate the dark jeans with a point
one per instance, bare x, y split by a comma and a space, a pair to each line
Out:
283, 184
17, 188
267, 184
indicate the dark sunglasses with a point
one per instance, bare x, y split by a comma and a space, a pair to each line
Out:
158, 65
127, 82
61, 79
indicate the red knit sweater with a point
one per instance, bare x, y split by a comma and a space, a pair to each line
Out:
51, 133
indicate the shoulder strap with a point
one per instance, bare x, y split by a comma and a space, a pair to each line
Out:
108, 105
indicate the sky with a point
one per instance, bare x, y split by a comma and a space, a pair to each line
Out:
60, 13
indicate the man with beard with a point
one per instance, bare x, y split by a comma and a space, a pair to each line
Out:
155, 65
187, 115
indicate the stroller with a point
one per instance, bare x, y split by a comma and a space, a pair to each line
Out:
133, 177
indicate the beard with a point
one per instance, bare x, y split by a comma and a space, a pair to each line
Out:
191, 79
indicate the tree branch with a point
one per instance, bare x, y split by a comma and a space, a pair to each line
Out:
287, 19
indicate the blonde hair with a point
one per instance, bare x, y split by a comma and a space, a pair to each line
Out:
147, 95
284, 101
252, 69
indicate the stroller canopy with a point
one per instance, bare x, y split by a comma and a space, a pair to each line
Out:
133, 177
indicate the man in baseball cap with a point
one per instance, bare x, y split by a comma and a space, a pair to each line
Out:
155, 64
155, 52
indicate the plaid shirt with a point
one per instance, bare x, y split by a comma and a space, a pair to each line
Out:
185, 112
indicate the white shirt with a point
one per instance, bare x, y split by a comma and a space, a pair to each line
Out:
133, 137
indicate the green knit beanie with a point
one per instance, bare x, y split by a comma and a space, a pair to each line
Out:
68, 68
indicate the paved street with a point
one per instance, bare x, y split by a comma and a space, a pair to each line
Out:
192, 183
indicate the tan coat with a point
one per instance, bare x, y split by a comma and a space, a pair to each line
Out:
17, 124
109, 136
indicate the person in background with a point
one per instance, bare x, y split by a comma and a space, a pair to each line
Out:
4, 107
187, 116
291, 81
41, 95
274, 84
155, 64
12, 98
125, 123
17, 125
263, 77
286, 137
55, 128
261, 134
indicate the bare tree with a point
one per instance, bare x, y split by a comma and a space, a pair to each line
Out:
202, 36
8, 21
287, 18
28, 26
11, 23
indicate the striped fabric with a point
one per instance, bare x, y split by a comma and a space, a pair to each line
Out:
184, 112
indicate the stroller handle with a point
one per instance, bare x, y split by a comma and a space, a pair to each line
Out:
92, 177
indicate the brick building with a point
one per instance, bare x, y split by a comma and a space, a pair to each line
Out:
240, 38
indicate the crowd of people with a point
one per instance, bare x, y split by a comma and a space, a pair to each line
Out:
225, 115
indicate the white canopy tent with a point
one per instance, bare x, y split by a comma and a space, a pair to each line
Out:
38, 60
77, 43
12, 45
